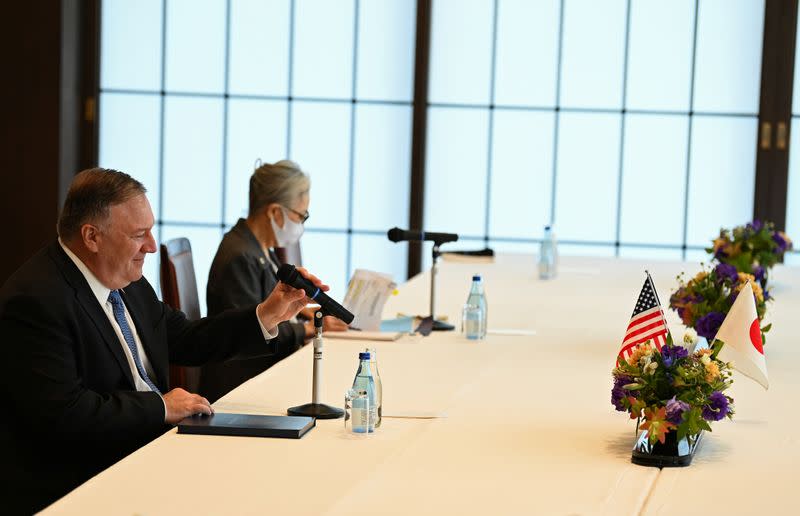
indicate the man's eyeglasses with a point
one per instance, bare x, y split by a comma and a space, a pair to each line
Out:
303, 216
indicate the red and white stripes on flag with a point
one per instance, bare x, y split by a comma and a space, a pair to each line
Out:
647, 322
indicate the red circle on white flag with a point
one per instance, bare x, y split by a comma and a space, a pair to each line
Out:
755, 336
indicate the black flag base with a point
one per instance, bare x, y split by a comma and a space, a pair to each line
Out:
669, 454
429, 324
317, 410
442, 326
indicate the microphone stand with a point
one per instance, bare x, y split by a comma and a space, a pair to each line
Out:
315, 408
437, 325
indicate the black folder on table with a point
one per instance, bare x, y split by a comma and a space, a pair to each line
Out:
291, 427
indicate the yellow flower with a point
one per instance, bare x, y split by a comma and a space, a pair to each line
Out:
642, 350
744, 279
758, 292
712, 371
704, 355
700, 276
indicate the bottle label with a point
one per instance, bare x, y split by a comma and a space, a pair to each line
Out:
360, 420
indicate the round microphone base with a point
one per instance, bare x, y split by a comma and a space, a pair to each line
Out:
442, 326
317, 410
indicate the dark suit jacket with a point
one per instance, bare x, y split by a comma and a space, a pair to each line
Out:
240, 276
70, 408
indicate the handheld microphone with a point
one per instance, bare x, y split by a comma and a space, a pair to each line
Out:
401, 235
288, 274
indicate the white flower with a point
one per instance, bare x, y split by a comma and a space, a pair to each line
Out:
690, 337
651, 367
705, 359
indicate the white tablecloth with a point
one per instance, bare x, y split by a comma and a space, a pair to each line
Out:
528, 424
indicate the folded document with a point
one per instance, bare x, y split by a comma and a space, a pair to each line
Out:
363, 335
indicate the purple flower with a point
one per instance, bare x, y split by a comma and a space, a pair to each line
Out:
726, 271
675, 410
755, 226
691, 299
671, 354
780, 242
618, 393
720, 253
708, 325
758, 272
767, 295
717, 407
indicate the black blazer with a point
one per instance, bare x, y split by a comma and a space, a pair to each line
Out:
70, 405
240, 275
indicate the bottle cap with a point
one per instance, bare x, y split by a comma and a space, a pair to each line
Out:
363, 356
476, 277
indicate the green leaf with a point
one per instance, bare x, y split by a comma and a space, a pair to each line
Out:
716, 348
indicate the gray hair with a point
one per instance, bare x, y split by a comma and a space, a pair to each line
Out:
282, 183
92, 192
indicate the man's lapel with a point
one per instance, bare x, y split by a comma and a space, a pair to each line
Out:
87, 301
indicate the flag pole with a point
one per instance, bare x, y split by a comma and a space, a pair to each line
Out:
660, 308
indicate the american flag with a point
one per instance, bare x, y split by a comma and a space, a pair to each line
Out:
647, 322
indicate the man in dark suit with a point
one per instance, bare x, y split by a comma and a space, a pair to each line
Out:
85, 345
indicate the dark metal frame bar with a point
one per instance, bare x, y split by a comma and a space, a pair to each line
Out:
777, 81
419, 131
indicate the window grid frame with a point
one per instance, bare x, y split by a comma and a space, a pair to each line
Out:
623, 111
163, 93
557, 109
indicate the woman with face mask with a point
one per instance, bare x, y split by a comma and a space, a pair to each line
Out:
244, 269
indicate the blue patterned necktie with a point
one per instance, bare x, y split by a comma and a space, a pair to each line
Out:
119, 315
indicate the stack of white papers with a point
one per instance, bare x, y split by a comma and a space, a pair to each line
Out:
367, 292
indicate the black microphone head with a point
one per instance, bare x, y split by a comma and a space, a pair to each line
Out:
287, 273
395, 234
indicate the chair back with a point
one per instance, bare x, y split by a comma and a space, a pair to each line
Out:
178, 283
179, 291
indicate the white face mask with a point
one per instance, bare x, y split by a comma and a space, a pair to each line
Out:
291, 231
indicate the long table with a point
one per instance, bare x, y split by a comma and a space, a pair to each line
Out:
512, 424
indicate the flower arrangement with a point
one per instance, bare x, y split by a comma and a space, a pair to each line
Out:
672, 390
704, 300
753, 248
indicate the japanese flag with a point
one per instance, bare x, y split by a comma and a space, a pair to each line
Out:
741, 333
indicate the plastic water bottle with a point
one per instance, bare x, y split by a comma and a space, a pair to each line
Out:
548, 255
475, 311
376, 376
364, 381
